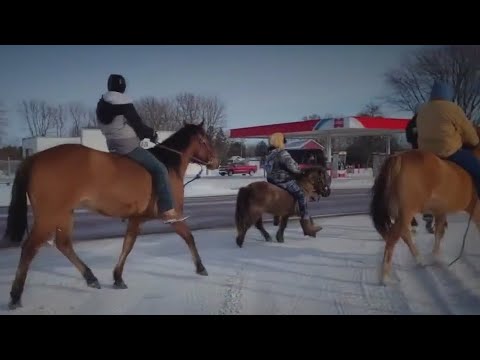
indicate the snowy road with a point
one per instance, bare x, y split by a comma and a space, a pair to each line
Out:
207, 212
337, 273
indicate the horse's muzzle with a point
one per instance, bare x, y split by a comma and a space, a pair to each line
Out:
213, 164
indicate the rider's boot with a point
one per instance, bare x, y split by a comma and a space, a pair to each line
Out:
171, 216
308, 226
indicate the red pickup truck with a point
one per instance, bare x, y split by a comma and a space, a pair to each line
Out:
237, 168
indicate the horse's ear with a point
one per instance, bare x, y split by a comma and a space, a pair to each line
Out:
184, 122
201, 124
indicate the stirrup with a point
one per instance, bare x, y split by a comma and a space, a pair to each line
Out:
172, 221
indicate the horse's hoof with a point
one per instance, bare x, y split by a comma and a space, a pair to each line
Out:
120, 285
280, 238
239, 242
268, 239
14, 305
94, 284
202, 272
386, 280
420, 261
438, 259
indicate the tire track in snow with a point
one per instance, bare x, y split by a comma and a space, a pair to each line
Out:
453, 291
232, 304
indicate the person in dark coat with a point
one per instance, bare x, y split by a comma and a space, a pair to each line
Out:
123, 129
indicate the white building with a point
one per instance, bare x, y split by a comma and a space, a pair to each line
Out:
92, 138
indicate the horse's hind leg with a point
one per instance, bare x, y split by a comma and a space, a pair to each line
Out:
247, 222
407, 238
440, 222
276, 220
182, 229
63, 241
260, 227
281, 229
30, 247
128, 242
391, 239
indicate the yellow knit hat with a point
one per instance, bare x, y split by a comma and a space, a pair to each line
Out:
277, 140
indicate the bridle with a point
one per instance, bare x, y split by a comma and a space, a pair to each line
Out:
195, 159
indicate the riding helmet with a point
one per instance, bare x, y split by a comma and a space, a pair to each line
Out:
116, 83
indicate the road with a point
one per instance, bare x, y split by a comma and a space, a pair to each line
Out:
205, 213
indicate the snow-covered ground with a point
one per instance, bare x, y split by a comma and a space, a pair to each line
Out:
217, 186
336, 273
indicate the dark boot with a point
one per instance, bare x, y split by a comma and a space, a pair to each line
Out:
309, 228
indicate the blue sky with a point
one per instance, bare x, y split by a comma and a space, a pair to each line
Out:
258, 84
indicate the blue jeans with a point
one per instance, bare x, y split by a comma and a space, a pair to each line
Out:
159, 173
467, 160
295, 190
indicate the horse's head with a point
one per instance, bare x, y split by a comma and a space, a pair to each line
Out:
318, 179
201, 147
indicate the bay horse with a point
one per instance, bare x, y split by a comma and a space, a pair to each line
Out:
63, 178
416, 181
261, 197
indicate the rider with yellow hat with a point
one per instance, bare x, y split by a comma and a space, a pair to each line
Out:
279, 166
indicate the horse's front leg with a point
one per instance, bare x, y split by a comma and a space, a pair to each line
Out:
182, 229
129, 240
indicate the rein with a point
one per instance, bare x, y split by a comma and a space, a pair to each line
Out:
201, 162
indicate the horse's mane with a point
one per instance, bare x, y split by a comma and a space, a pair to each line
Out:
180, 140
306, 173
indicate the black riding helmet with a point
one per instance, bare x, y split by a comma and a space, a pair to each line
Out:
116, 83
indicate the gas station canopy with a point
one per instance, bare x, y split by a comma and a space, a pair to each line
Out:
347, 126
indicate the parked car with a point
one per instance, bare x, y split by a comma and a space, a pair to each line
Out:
232, 168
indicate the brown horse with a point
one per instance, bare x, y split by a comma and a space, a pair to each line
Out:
415, 182
65, 177
262, 197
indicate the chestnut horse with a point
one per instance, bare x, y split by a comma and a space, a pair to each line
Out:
413, 182
261, 197
65, 177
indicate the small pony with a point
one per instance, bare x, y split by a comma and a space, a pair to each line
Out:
65, 177
262, 197
416, 181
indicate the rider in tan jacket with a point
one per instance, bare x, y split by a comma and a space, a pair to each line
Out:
444, 129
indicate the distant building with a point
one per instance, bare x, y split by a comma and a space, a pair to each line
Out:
306, 152
92, 138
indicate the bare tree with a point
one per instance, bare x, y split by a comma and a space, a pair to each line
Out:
91, 120
37, 115
371, 109
58, 116
311, 117
195, 109
79, 115
212, 112
157, 113
3, 123
458, 64
187, 108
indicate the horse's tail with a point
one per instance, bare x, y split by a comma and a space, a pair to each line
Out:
17, 211
382, 206
242, 215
